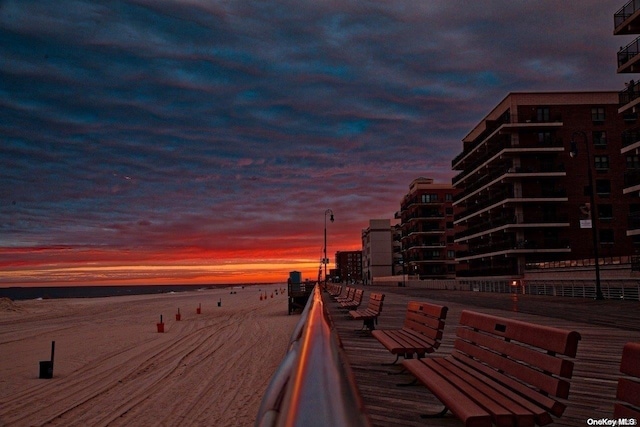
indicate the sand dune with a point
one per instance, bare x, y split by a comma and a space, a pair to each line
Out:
112, 367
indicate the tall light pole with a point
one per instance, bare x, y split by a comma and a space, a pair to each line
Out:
325, 260
593, 209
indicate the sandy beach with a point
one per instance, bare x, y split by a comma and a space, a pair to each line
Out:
112, 367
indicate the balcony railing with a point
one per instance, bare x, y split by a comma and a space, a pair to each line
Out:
633, 221
628, 52
630, 93
625, 12
630, 137
631, 178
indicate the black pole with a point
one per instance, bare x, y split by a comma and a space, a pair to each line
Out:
594, 215
53, 350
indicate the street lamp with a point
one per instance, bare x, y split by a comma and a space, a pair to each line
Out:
325, 260
593, 209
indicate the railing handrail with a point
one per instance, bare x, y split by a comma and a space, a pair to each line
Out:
314, 384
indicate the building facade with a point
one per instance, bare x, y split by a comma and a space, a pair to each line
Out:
427, 238
349, 266
525, 196
626, 23
377, 250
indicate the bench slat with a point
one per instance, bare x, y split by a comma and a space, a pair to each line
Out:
553, 406
514, 350
628, 391
553, 339
401, 342
549, 384
630, 363
502, 407
470, 413
535, 403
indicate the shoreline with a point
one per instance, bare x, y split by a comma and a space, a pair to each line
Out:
20, 293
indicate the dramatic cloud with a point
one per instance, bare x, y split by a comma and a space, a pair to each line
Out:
202, 141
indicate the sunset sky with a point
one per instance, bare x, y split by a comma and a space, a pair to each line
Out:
194, 141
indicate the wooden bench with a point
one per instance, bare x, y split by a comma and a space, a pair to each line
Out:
355, 302
420, 334
348, 297
501, 371
628, 393
370, 314
334, 290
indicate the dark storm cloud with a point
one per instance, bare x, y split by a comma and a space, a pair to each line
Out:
130, 124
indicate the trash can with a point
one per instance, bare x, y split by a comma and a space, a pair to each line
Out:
46, 369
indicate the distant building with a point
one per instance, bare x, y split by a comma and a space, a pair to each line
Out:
525, 201
377, 250
427, 238
349, 266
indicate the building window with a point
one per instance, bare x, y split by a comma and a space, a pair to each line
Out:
429, 198
605, 212
448, 197
606, 236
603, 186
450, 240
449, 225
601, 162
449, 211
597, 114
600, 139
451, 254
544, 138
542, 114
633, 162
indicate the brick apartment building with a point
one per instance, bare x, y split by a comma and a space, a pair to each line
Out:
427, 235
349, 266
523, 198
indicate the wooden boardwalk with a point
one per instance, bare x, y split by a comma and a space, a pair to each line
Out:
605, 327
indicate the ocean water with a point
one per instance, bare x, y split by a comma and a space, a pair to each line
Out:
25, 293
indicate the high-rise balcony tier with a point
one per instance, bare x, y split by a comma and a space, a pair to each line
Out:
507, 247
627, 19
511, 224
505, 198
472, 150
499, 177
628, 59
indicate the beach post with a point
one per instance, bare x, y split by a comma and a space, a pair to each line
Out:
160, 325
219, 302
46, 366
178, 315
199, 309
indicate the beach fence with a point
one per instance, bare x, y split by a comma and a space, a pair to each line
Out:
314, 385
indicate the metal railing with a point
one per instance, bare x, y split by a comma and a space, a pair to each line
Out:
625, 12
314, 384
628, 52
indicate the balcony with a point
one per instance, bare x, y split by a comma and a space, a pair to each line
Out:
628, 57
625, 20
503, 171
629, 138
531, 123
631, 180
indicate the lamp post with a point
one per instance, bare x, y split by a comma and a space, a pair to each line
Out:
328, 211
593, 209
